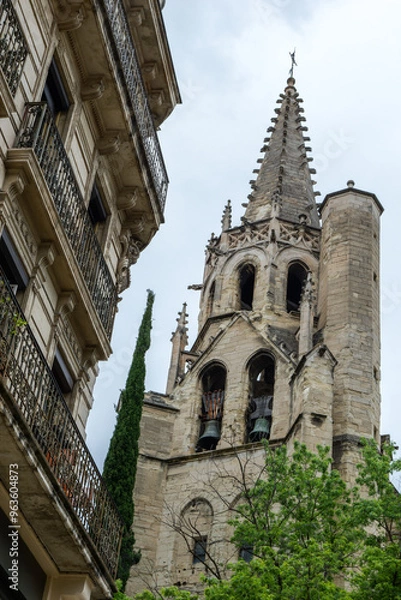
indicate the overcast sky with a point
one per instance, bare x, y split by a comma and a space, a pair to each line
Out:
232, 60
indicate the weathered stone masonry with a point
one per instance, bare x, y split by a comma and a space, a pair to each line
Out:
288, 348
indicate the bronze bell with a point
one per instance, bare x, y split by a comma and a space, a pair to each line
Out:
211, 435
261, 430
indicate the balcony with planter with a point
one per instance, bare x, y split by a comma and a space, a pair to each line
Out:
37, 427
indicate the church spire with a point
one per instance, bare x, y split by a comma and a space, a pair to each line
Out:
179, 340
284, 172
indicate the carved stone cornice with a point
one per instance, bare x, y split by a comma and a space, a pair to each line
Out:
15, 183
137, 15
67, 301
70, 15
157, 97
127, 198
136, 223
150, 70
92, 88
24, 228
110, 143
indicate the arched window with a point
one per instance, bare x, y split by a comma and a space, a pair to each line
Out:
295, 281
194, 526
213, 384
246, 286
261, 392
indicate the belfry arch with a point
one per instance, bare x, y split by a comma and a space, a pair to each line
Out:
261, 373
246, 282
213, 383
296, 277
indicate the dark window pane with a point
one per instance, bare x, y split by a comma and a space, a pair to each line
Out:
246, 552
62, 373
199, 553
55, 93
11, 263
97, 212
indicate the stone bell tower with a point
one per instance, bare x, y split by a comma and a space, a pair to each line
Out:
287, 349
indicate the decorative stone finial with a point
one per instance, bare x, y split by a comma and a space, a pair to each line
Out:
307, 292
226, 220
350, 183
182, 316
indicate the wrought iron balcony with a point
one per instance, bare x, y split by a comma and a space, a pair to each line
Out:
26, 376
13, 47
39, 132
126, 55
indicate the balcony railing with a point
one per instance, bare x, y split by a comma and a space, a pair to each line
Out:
26, 376
127, 58
13, 47
39, 132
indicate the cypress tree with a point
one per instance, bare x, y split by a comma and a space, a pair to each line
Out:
119, 470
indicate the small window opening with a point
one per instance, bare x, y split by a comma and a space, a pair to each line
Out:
55, 93
246, 284
261, 392
213, 385
62, 373
96, 210
11, 263
199, 551
246, 552
297, 274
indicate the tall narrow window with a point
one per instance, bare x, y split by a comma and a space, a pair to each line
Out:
55, 93
261, 392
11, 263
213, 385
295, 281
192, 545
199, 550
246, 552
96, 210
246, 286
62, 373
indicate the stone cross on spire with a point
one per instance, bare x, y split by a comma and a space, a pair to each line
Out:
293, 64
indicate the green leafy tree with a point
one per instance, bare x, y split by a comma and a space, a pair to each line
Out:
301, 521
379, 575
119, 470
310, 534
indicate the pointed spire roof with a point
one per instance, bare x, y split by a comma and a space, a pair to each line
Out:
227, 217
180, 340
284, 177
182, 322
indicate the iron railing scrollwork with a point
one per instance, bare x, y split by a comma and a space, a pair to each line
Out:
13, 47
39, 132
126, 54
28, 379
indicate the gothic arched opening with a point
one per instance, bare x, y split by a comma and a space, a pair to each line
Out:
261, 393
213, 381
246, 286
194, 528
296, 278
